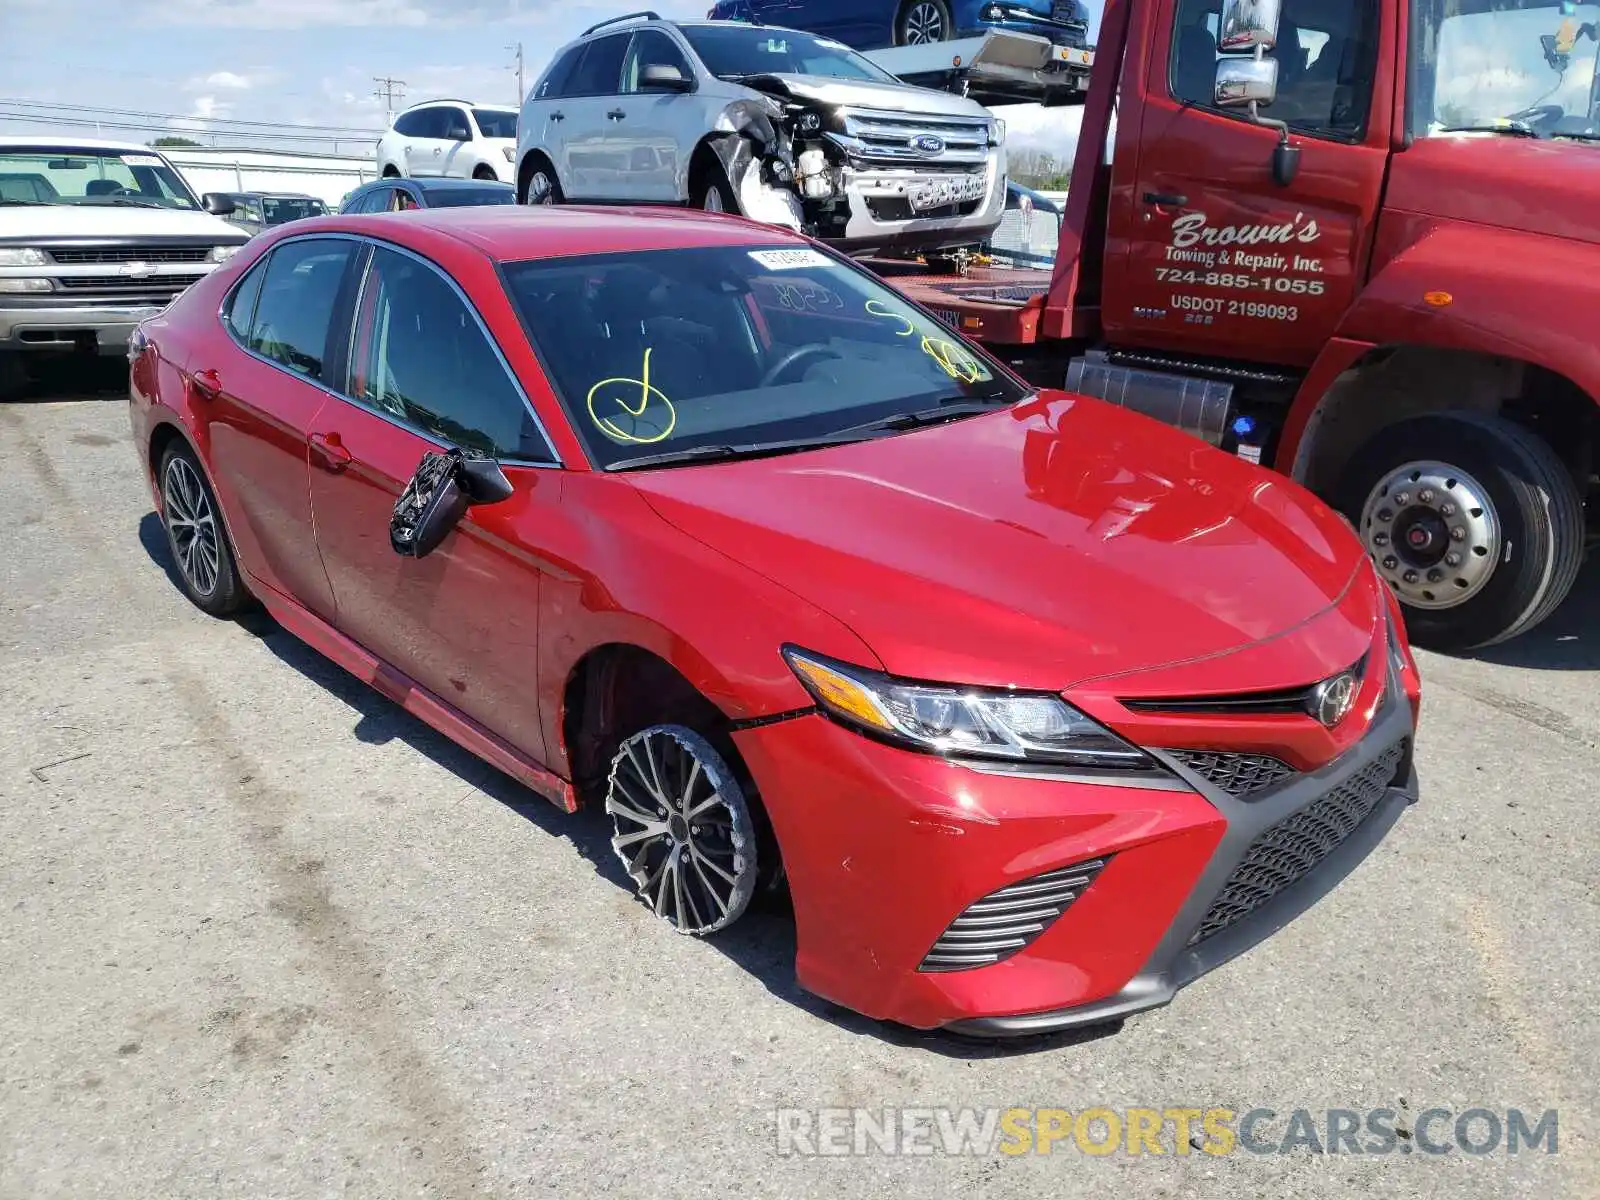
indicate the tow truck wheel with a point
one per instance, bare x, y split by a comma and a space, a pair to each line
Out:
1474, 522
921, 22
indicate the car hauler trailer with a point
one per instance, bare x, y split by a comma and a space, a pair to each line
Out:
1319, 241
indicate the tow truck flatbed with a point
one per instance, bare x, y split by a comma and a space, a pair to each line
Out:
998, 305
1001, 67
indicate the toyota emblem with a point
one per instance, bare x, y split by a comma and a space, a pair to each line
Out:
1331, 700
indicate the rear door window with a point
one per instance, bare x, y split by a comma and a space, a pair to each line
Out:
599, 72
299, 294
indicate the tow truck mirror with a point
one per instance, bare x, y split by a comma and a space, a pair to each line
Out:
1247, 24
1246, 81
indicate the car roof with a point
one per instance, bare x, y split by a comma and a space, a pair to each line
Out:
511, 233
77, 143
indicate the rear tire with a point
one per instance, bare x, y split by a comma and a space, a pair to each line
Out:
199, 542
543, 188
1475, 522
922, 22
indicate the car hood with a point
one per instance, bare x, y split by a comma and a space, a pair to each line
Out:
112, 221
1036, 547
821, 89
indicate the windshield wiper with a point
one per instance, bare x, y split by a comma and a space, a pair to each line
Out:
1513, 128
949, 409
1576, 135
127, 201
24, 203
746, 450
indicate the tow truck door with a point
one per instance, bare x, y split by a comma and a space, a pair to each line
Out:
1216, 257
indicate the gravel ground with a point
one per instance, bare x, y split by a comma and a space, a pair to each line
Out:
267, 935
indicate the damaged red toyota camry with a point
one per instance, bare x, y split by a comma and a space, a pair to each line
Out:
1039, 709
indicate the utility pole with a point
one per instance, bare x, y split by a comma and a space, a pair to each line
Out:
521, 92
386, 91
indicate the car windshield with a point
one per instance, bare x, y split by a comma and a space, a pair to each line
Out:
68, 174
495, 122
282, 209
724, 350
1519, 68
734, 50
461, 197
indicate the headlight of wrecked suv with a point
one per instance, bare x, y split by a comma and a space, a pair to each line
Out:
1018, 727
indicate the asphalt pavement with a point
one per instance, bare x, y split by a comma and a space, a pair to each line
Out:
266, 935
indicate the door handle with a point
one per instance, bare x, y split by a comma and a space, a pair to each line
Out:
616, 114
207, 384
1166, 199
330, 452
558, 116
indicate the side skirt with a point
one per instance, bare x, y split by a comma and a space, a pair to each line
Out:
414, 698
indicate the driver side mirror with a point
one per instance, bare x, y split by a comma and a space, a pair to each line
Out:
438, 496
1242, 81
1251, 26
1247, 24
664, 77
217, 204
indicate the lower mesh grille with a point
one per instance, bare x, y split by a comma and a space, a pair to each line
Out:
1288, 851
1000, 924
1237, 774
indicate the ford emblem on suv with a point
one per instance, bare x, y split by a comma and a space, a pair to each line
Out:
928, 143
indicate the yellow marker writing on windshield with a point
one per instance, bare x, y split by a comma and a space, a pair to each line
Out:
618, 392
953, 360
883, 310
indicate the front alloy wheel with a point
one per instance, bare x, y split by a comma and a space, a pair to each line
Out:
683, 829
541, 188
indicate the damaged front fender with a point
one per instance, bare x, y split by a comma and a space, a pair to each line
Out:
741, 157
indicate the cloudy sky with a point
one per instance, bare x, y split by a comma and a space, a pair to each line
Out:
297, 62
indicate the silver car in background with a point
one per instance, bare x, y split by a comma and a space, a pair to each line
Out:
775, 124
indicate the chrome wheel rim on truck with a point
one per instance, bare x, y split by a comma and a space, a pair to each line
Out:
1433, 533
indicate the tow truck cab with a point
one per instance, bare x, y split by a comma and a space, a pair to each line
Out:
1354, 238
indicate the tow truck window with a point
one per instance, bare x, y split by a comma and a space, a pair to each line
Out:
651, 48
664, 351
1523, 67
1327, 56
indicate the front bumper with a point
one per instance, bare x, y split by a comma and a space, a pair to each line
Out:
885, 848
883, 216
99, 328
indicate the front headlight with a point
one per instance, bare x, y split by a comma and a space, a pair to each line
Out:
221, 254
1023, 727
510, 152
26, 286
22, 257
997, 132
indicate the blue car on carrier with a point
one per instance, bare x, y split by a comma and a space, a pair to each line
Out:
877, 24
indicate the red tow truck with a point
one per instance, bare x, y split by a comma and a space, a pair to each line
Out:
1355, 238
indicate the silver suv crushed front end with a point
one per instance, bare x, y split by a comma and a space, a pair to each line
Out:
781, 125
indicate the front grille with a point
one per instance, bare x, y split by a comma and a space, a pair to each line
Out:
994, 928
1290, 850
124, 285
1239, 775
875, 136
118, 254
1065, 11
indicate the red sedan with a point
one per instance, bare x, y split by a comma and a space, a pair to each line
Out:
1038, 709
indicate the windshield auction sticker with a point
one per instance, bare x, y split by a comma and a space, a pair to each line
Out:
789, 260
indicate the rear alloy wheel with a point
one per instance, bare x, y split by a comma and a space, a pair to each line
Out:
194, 531
1474, 522
922, 22
683, 828
542, 188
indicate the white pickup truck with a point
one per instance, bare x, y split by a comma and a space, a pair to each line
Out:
95, 237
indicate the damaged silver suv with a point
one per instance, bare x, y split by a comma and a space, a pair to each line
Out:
780, 126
